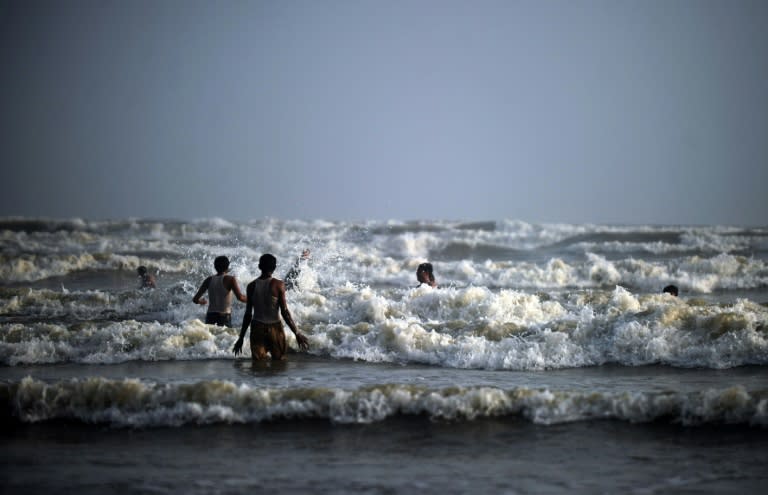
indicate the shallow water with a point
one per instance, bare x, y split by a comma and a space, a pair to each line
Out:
308, 370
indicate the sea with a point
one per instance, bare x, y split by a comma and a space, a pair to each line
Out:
547, 359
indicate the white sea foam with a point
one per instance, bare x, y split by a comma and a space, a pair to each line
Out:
33, 267
135, 403
113, 342
471, 327
502, 254
512, 295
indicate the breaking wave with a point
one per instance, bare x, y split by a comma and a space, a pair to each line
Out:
135, 403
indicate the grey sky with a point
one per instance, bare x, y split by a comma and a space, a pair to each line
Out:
543, 111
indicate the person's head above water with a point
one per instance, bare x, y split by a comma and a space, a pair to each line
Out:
221, 264
147, 279
670, 289
425, 274
267, 263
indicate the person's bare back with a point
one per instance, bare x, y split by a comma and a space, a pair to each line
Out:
220, 288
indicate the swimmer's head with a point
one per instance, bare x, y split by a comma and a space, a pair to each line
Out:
425, 270
221, 264
670, 289
267, 263
142, 270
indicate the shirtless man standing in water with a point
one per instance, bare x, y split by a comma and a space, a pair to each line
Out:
220, 288
265, 296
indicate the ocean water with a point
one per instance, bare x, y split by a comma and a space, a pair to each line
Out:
547, 360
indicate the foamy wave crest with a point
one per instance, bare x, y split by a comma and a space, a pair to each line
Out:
47, 303
74, 242
33, 267
458, 328
43, 305
477, 328
691, 274
134, 403
113, 343
507, 254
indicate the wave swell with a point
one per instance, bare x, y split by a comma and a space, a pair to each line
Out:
135, 403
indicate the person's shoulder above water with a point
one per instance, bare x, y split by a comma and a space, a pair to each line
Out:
220, 291
146, 279
425, 275
221, 264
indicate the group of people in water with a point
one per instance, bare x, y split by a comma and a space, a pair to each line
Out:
265, 303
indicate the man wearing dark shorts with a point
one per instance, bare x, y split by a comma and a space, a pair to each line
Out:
265, 303
220, 288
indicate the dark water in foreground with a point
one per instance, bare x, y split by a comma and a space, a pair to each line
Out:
401, 455
405, 452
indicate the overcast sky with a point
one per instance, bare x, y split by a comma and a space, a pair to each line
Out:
544, 111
